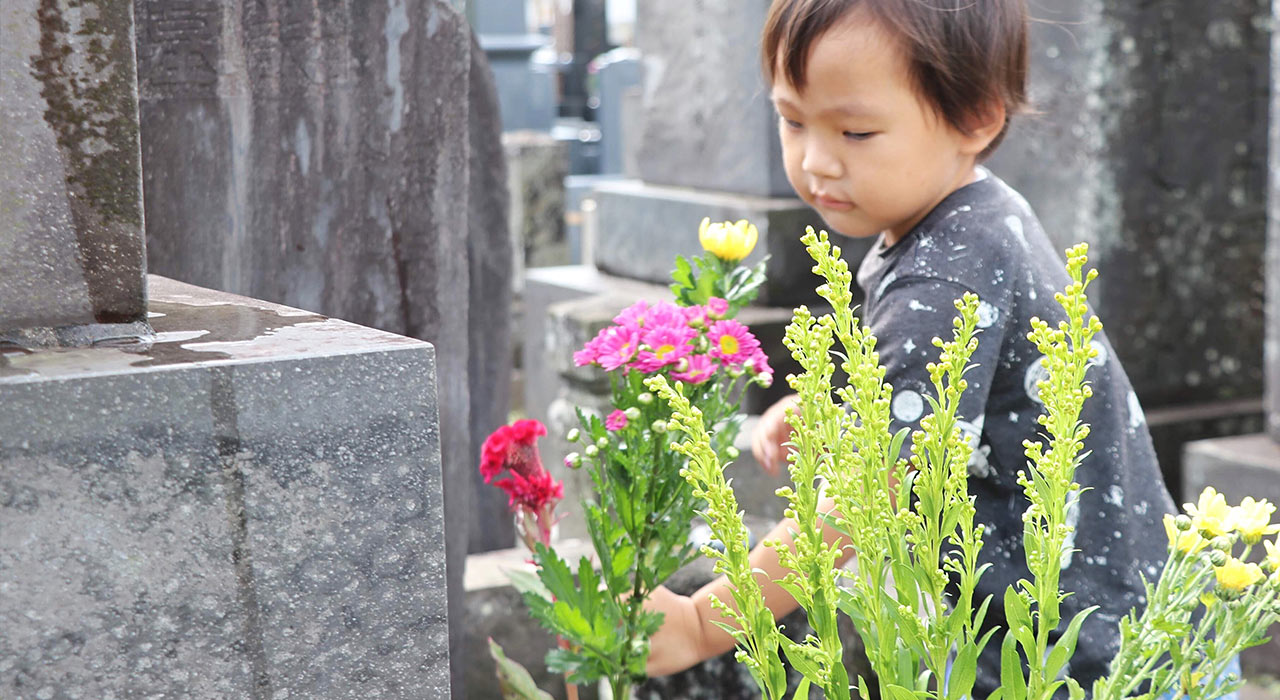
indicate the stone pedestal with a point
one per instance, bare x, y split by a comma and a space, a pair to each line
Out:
642, 227
249, 508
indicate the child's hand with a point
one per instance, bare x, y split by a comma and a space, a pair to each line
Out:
677, 644
768, 442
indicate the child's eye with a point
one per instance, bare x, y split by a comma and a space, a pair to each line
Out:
859, 135
791, 123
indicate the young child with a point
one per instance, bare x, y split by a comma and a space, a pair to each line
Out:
886, 109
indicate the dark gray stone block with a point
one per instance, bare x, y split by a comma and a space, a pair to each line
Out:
708, 122
249, 508
489, 255
318, 157
642, 227
71, 237
1149, 145
1247, 465
1271, 350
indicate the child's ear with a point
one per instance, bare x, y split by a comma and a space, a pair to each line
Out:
984, 127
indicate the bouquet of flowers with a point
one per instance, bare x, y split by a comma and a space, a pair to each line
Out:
911, 522
640, 514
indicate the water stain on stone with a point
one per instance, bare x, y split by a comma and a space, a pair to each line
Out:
224, 323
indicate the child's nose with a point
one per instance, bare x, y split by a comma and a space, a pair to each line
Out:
820, 161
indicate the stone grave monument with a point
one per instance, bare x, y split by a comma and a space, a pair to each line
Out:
236, 499
1249, 465
324, 159
1149, 144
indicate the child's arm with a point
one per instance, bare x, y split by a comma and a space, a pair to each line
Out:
689, 634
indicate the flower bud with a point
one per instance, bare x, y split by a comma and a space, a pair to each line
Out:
573, 460
632, 413
645, 398
1217, 557
1222, 543
573, 435
602, 442
592, 451
731, 452
1182, 522
659, 426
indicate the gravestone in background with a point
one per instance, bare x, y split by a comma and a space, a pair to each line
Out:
1151, 146
489, 254
72, 264
318, 157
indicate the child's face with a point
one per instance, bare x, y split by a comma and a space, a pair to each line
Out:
860, 146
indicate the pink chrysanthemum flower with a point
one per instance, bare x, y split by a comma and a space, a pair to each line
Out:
758, 365
695, 369
616, 421
633, 316
664, 345
731, 342
589, 354
695, 316
717, 307
617, 345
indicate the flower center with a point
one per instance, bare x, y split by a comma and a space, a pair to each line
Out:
663, 351
728, 345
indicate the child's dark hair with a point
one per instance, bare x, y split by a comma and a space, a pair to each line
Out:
964, 54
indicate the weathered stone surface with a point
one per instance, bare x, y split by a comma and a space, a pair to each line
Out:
250, 508
537, 165
1149, 146
318, 157
1272, 344
707, 118
71, 238
642, 227
1247, 465
490, 256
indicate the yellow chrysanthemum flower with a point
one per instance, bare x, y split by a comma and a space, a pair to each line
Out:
1188, 542
1235, 575
1211, 516
1272, 560
1253, 520
728, 241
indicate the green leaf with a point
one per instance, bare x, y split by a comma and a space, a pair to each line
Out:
1066, 644
802, 690
528, 582
801, 658
963, 673
1015, 610
1012, 682
514, 681
897, 692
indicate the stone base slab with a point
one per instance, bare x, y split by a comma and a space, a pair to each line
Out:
642, 227
249, 508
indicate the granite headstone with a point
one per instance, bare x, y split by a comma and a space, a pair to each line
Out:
249, 508
317, 156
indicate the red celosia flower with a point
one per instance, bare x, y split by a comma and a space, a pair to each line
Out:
532, 494
514, 448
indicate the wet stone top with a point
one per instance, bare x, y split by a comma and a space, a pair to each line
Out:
202, 327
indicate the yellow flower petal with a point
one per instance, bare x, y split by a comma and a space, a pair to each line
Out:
1211, 516
1235, 575
1252, 519
729, 241
1188, 542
